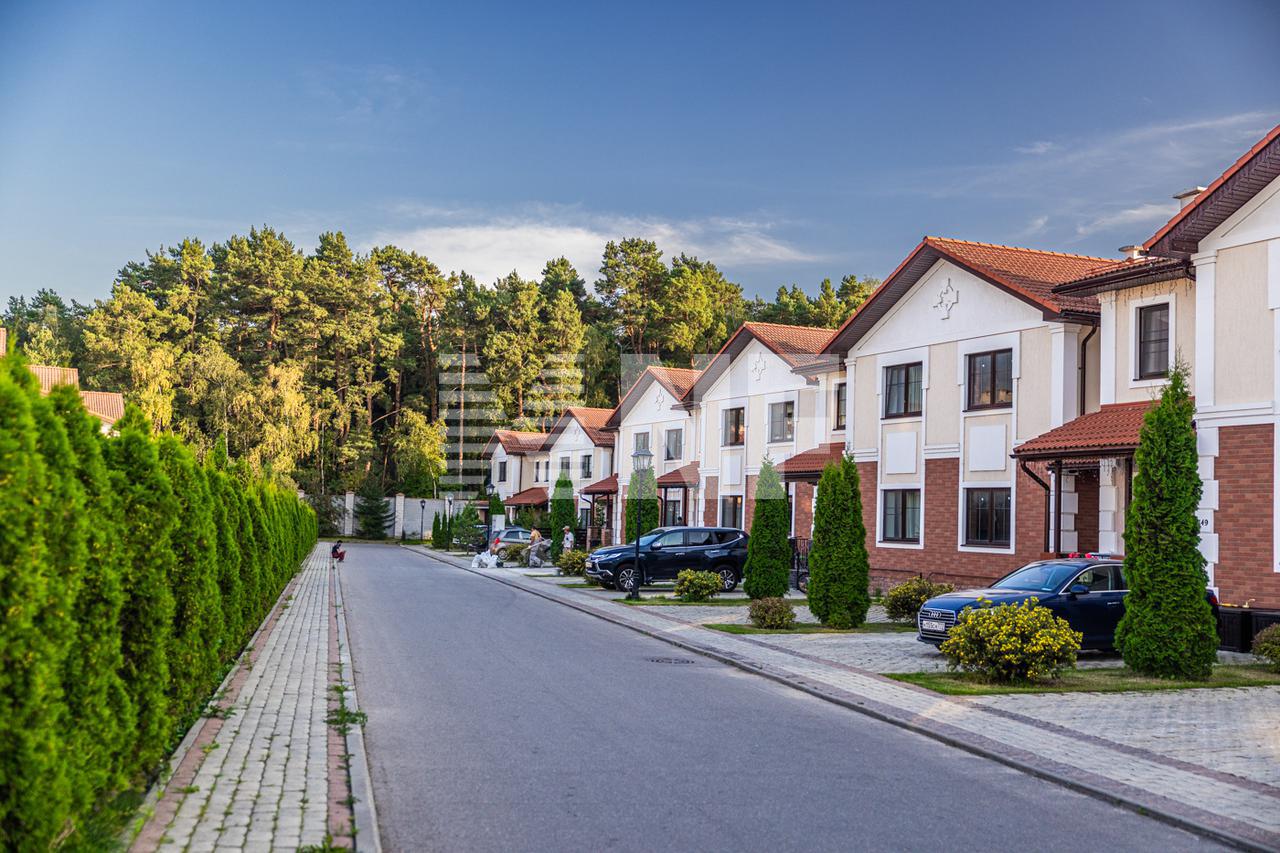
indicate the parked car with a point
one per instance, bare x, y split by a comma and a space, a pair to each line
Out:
666, 551
503, 539
1087, 591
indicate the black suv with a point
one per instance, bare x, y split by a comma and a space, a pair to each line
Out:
667, 551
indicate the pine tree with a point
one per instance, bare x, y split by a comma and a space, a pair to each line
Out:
561, 514
101, 712
860, 580
33, 786
148, 505
831, 553
373, 515
197, 616
1168, 627
768, 568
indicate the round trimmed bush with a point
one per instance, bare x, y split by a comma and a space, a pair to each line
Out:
697, 586
904, 601
1266, 645
772, 613
573, 562
1012, 642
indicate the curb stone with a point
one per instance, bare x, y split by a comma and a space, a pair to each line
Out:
1152, 806
363, 811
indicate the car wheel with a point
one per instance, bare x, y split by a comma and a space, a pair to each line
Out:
728, 579
625, 578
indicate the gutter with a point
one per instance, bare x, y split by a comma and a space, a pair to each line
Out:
1022, 463
1084, 360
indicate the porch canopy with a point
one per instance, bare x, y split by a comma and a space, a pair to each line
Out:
607, 486
605, 490
535, 497
1112, 432
683, 478
807, 467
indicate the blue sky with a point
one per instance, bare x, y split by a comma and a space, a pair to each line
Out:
785, 142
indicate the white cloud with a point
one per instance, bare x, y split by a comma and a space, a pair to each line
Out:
1142, 214
490, 246
1036, 148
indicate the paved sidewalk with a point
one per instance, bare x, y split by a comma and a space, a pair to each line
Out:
268, 771
1131, 748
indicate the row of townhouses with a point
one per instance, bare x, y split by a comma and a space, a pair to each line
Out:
991, 396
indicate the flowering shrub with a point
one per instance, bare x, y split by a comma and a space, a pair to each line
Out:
573, 562
1266, 645
697, 586
904, 601
772, 613
1012, 642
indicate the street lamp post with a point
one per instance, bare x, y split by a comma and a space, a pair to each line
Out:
422, 519
488, 516
448, 517
641, 459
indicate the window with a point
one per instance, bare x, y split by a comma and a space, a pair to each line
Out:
842, 394
642, 440
502, 471
675, 444
991, 379
731, 511
565, 463
782, 421
900, 515
586, 464
672, 515
735, 427
1153, 341
986, 520
699, 538
903, 393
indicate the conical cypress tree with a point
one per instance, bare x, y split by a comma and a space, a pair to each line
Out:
101, 712
561, 514
250, 562
197, 615
831, 552
226, 519
33, 785
147, 503
768, 568
436, 532
1168, 628
641, 511
860, 578
266, 569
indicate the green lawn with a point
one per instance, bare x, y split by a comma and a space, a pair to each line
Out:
809, 628
1091, 680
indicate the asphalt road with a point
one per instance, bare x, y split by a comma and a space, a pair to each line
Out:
500, 721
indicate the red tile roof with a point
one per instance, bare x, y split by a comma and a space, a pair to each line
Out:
1029, 274
515, 442
592, 422
1112, 429
685, 475
51, 376
810, 463
607, 486
677, 381
537, 496
108, 406
1130, 272
1265, 154
4, 341
798, 346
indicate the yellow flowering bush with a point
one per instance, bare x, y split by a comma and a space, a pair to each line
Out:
1012, 642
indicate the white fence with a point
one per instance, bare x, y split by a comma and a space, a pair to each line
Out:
412, 516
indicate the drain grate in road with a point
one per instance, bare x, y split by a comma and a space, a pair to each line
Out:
670, 660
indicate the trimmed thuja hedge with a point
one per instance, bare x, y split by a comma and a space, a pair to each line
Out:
131, 576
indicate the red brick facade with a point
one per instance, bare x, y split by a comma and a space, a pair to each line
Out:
1244, 519
939, 559
1087, 511
711, 502
802, 509
749, 502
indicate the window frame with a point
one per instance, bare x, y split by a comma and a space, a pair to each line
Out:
740, 426
1138, 312
635, 440
970, 358
791, 421
566, 465
666, 444
902, 516
1003, 544
906, 367
738, 503
502, 470
584, 467
841, 404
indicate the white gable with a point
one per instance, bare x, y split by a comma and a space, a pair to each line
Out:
756, 370
652, 405
1257, 220
948, 304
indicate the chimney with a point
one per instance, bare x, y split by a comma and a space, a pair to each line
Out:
1132, 252
1187, 196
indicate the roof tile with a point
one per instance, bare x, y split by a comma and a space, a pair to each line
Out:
1114, 427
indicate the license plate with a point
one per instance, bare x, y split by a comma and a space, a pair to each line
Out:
932, 625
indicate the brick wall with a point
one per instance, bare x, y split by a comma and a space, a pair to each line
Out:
1244, 518
802, 496
939, 559
1087, 511
749, 502
711, 502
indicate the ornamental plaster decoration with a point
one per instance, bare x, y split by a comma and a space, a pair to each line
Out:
947, 299
759, 366
658, 399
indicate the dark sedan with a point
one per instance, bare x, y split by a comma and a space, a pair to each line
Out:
1087, 592
665, 552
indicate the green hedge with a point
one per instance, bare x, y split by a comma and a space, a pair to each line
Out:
130, 577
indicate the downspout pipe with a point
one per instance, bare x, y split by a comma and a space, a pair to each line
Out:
1022, 463
1084, 374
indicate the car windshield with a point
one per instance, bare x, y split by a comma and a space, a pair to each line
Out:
647, 539
1038, 577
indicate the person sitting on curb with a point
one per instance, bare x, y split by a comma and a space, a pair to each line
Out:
337, 553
